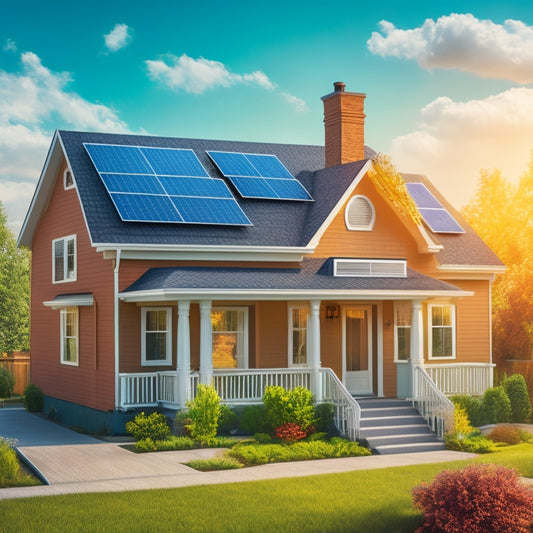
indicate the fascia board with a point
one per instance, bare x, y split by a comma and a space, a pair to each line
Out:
284, 294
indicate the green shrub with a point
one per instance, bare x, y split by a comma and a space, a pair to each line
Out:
204, 414
294, 406
9, 465
254, 420
145, 445
262, 438
474, 443
153, 426
7, 382
228, 421
33, 398
216, 463
320, 435
325, 418
181, 422
496, 406
473, 406
515, 387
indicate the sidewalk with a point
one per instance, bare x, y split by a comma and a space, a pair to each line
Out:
81, 464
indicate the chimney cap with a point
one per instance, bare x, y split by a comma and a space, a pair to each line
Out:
339, 86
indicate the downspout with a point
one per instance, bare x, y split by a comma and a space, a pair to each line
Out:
116, 328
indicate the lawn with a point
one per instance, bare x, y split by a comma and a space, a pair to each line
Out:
374, 500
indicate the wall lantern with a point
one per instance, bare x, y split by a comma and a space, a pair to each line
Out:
332, 311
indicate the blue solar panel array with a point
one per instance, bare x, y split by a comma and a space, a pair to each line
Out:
164, 185
435, 215
259, 176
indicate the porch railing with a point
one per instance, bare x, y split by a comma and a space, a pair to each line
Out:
431, 402
461, 378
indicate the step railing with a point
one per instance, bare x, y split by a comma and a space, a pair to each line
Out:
461, 378
431, 402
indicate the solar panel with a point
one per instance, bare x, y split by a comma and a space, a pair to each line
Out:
434, 214
260, 176
163, 185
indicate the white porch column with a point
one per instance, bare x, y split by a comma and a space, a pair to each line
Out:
184, 351
313, 354
206, 343
417, 342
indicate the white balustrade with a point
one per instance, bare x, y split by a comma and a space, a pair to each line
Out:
461, 378
138, 390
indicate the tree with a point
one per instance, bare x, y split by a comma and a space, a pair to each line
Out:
502, 214
14, 291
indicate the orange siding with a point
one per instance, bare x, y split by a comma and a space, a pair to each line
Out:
92, 382
389, 367
271, 335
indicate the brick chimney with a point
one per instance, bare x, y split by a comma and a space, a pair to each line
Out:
344, 122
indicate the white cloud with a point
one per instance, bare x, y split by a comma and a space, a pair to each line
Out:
199, 75
33, 103
455, 140
119, 37
464, 42
10, 46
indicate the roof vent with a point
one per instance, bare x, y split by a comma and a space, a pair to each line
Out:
360, 214
370, 268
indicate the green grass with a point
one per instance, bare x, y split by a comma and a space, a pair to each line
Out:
374, 500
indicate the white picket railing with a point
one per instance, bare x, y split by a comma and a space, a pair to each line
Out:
138, 390
431, 403
461, 378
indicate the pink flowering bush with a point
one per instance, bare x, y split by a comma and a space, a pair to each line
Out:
477, 499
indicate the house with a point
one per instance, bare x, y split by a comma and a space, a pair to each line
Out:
161, 263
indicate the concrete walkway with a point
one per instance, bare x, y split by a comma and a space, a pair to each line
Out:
74, 463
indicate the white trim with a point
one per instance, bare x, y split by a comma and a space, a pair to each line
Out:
371, 263
452, 326
168, 349
367, 227
65, 278
242, 355
70, 300
290, 307
66, 172
63, 313
196, 294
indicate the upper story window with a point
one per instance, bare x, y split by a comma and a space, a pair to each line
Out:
298, 315
156, 339
441, 331
68, 180
360, 214
69, 336
64, 261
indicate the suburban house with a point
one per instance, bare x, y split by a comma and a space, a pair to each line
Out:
160, 263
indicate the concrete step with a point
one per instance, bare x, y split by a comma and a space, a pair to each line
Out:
405, 429
393, 440
381, 421
411, 448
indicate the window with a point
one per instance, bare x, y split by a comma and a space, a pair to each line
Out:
402, 331
441, 331
68, 180
156, 340
64, 259
298, 335
360, 214
230, 337
69, 335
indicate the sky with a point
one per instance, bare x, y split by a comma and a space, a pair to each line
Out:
449, 84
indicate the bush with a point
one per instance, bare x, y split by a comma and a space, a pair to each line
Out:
228, 421
254, 420
496, 406
7, 382
461, 423
515, 387
153, 426
473, 406
33, 398
181, 422
216, 463
9, 465
477, 499
289, 433
262, 438
474, 443
325, 418
506, 434
204, 414
295, 406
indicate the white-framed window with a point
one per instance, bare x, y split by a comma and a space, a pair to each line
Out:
68, 180
402, 331
441, 331
230, 337
298, 339
156, 336
64, 262
69, 336
360, 214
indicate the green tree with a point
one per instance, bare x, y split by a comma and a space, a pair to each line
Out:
14, 291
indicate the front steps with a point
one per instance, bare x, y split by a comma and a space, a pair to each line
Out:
393, 426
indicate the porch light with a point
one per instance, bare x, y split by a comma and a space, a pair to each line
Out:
332, 311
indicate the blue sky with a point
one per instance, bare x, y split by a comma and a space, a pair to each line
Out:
448, 84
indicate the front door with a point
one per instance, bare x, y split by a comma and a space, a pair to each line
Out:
357, 348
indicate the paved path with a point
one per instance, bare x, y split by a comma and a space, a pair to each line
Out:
74, 463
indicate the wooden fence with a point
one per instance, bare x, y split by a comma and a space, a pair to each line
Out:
19, 364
